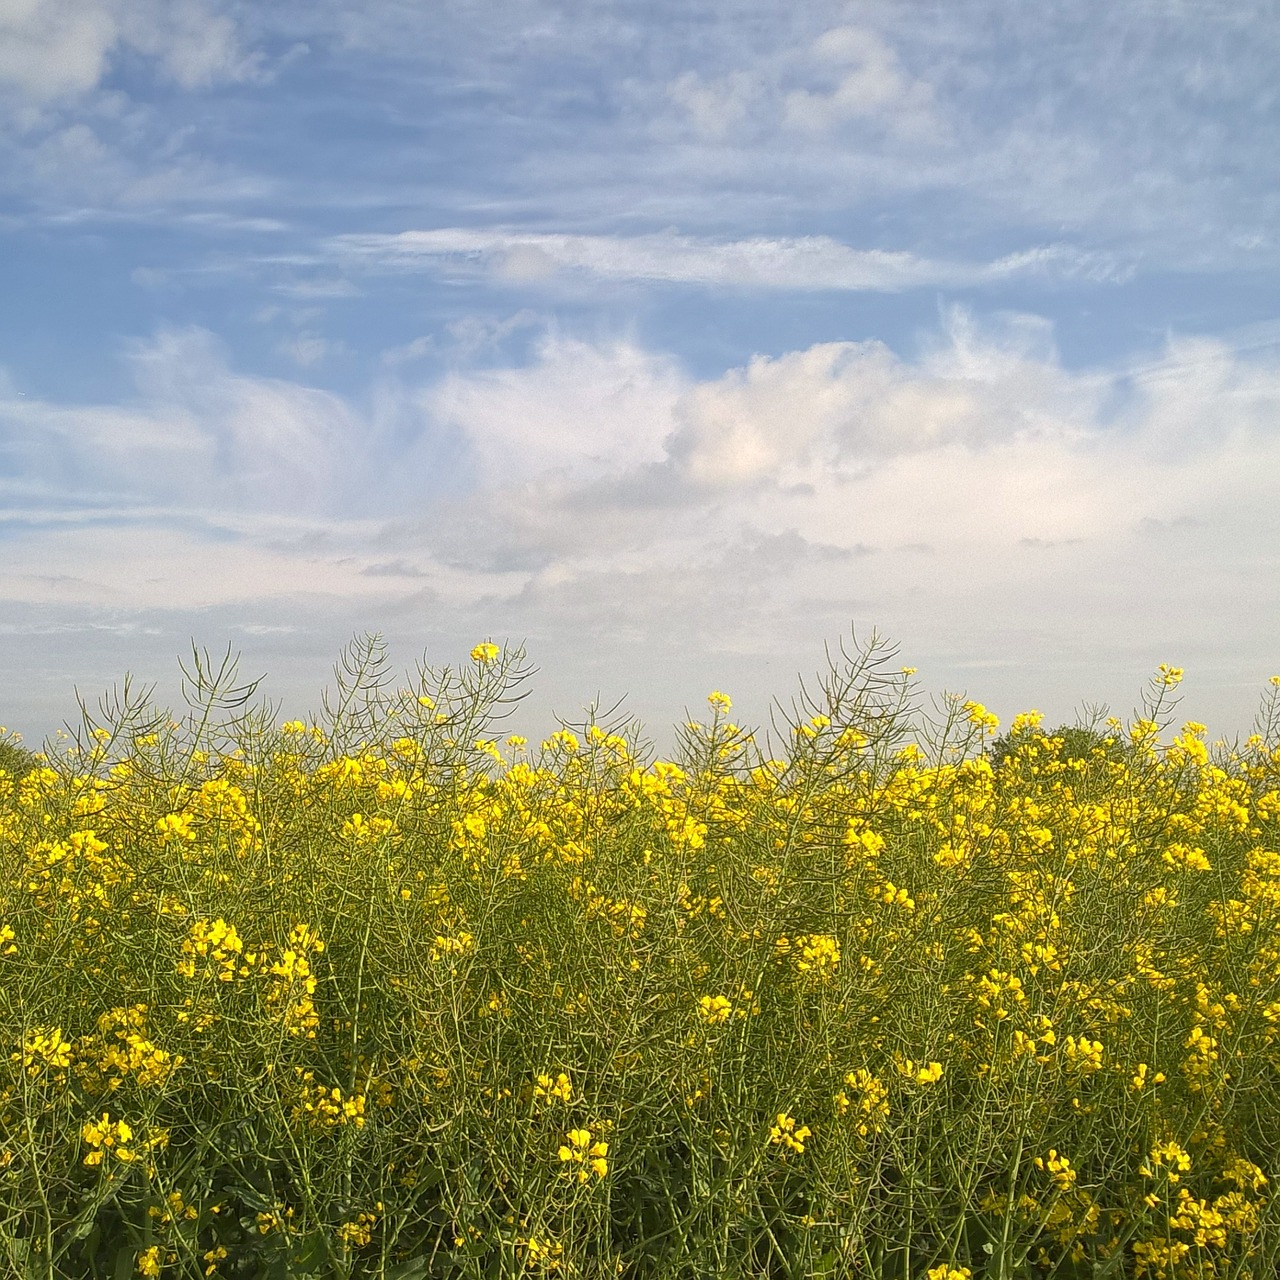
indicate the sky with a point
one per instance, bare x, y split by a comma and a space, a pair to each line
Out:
675, 342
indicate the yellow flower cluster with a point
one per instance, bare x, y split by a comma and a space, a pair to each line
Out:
558, 1090
43, 1049
124, 1050
583, 1156
327, 1107
358, 1231
785, 1133
819, 954
867, 1098
105, 1136
219, 942
532, 1003
713, 1009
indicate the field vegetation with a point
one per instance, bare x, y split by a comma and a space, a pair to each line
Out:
386, 993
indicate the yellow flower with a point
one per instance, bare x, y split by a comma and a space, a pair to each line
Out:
326, 1108
45, 1047
1059, 1169
484, 652
558, 1090
870, 1100
719, 702
213, 1257
359, 1231
819, 954
543, 1254
1170, 1156
149, 1261
927, 1073
1142, 1077
174, 827
1083, 1054
893, 895
105, 1135
715, 1009
1190, 856
785, 1134
980, 717
445, 945
583, 1156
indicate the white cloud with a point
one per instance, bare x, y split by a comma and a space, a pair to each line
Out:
979, 497
53, 48
197, 434
48, 49
196, 46
804, 263
1151, 133
869, 84
717, 106
847, 75
579, 411
841, 408
308, 348
980, 501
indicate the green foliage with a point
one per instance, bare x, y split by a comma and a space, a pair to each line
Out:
1075, 742
15, 760
381, 995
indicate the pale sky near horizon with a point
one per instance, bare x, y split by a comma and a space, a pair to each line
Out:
673, 340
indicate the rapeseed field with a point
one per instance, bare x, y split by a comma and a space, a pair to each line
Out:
879, 994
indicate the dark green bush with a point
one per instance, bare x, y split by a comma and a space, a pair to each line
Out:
15, 760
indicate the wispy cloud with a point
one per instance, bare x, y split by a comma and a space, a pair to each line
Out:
196, 433
801, 263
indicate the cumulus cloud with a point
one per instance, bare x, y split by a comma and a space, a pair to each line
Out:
602, 496
578, 411
51, 49
1065, 512
842, 407
612, 454
716, 106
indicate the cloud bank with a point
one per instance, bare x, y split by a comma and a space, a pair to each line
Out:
973, 499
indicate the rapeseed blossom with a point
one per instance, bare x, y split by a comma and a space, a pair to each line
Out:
384, 985
713, 1009
583, 1156
785, 1133
105, 1136
558, 1090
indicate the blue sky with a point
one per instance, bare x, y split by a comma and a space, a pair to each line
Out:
672, 340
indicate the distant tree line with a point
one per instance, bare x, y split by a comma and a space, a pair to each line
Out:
15, 760
1079, 742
